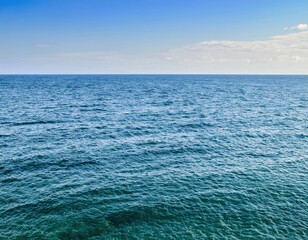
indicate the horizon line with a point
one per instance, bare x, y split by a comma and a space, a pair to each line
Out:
243, 74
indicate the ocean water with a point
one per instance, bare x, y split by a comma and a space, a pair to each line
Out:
153, 157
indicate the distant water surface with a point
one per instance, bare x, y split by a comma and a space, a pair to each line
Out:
153, 157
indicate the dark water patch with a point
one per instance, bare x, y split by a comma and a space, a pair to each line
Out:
84, 228
140, 214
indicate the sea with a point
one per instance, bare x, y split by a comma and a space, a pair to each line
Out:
153, 157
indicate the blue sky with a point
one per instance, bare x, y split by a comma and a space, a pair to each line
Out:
153, 36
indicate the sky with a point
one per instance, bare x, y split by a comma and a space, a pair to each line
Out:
153, 36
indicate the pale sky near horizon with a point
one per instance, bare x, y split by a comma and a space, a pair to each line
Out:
154, 36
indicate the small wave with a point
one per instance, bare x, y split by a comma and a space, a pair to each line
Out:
10, 180
196, 125
41, 162
5, 135
34, 123
44, 206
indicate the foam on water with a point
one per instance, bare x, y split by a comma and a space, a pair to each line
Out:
153, 157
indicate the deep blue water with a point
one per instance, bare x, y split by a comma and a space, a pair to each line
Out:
153, 157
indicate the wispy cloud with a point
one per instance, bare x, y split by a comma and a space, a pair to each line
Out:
299, 27
96, 61
42, 45
88, 57
284, 53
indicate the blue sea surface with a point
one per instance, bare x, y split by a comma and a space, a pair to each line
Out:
153, 157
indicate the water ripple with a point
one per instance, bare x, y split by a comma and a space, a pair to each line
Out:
153, 157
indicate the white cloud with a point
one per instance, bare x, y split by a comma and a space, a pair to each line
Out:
300, 27
279, 54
